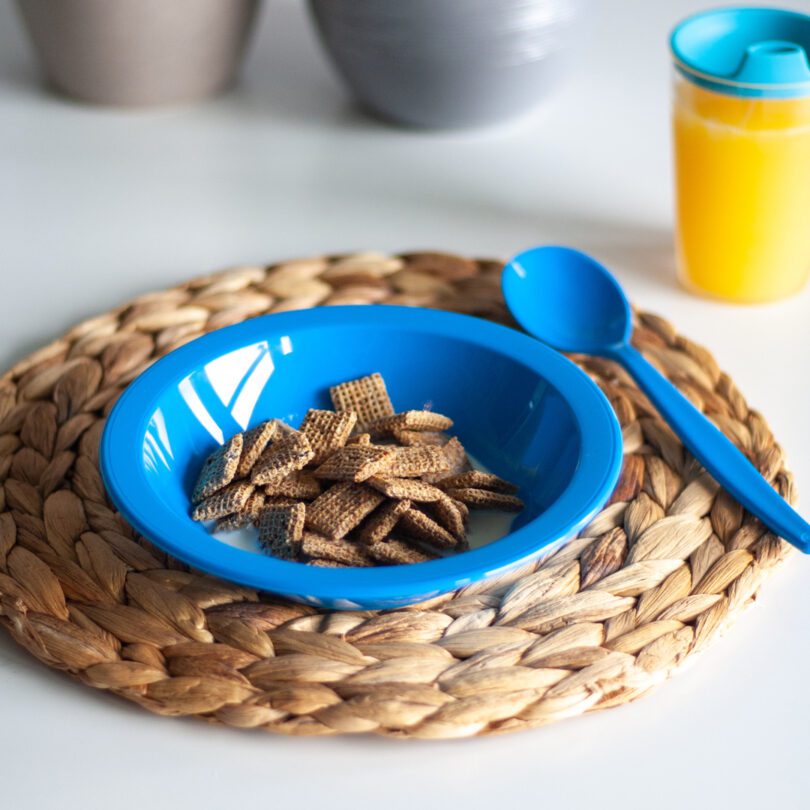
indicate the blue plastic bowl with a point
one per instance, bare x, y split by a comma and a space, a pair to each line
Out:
520, 408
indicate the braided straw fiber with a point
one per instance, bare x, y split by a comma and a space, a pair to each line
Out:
665, 567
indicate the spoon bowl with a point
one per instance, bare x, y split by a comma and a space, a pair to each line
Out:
567, 299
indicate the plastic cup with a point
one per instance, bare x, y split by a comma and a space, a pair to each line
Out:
741, 126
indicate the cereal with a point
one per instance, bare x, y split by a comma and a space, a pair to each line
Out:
412, 462
230, 523
367, 397
395, 552
299, 484
357, 462
360, 438
411, 420
327, 431
224, 502
244, 517
484, 499
219, 469
422, 527
286, 455
331, 496
280, 500
339, 551
457, 460
254, 442
341, 508
463, 508
327, 564
477, 480
282, 428
456, 456
420, 437
281, 529
450, 516
380, 523
408, 488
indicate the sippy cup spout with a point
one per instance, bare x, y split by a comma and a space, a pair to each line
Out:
773, 61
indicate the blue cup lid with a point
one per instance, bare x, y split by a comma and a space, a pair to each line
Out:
754, 52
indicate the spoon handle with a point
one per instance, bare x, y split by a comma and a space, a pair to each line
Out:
715, 452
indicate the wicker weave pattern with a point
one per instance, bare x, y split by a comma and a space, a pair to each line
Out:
658, 574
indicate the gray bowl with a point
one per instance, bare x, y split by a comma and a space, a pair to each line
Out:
447, 63
139, 52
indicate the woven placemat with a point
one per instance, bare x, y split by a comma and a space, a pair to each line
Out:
659, 573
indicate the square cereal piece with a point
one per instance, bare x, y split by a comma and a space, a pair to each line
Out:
477, 480
457, 461
254, 442
340, 551
342, 507
230, 523
463, 508
405, 488
302, 485
451, 515
285, 455
381, 521
219, 469
484, 499
430, 438
281, 529
456, 456
279, 500
360, 438
416, 524
415, 461
411, 420
246, 516
433, 548
283, 429
397, 552
327, 431
223, 502
356, 462
367, 397
327, 564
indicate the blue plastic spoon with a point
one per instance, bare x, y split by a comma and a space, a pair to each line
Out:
571, 302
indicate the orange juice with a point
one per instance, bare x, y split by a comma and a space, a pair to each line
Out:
742, 175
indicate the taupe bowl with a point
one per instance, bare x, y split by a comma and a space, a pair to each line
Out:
139, 52
447, 63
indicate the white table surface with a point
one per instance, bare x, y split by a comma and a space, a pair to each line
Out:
98, 205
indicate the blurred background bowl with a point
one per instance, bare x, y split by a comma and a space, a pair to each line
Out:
447, 63
139, 52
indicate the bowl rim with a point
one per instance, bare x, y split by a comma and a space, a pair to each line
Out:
597, 471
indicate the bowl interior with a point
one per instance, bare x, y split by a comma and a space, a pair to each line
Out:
509, 419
